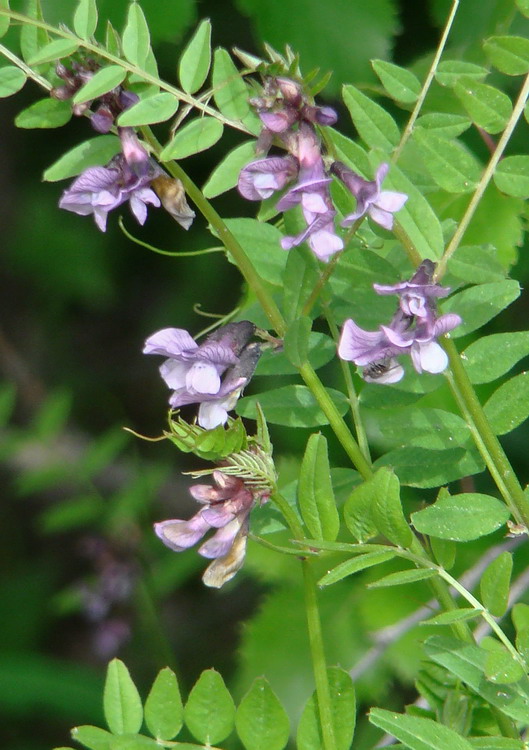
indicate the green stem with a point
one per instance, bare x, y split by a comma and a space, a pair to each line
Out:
485, 179
25, 68
486, 441
309, 304
318, 657
289, 515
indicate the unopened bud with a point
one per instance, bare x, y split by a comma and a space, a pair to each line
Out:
172, 195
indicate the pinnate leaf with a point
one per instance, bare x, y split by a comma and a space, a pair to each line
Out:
512, 176
494, 584
445, 124
401, 84
226, 174
96, 151
343, 705
157, 108
508, 406
121, 700
136, 38
403, 577
355, 565
53, 51
418, 733
46, 113
451, 166
261, 720
163, 708
449, 72
85, 18
478, 304
387, 509
488, 107
510, 54
229, 89
91, 737
198, 135
315, 491
193, 67
101, 82
376, 126
210, 712
421, 467
11, 80
461, 517
292, 406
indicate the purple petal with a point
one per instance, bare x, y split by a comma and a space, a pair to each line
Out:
170, 342
383, 218
221, 542
211, 414
174, 373
325, 244
381, 174
383, 373
446, 323
203, 378
217, 353
179, 535
277, 122
429, 357
391, 201
400, 339
359, 346
218, 515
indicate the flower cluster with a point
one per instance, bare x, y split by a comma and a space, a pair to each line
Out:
131, 175
194, 372
413, 330
226, 508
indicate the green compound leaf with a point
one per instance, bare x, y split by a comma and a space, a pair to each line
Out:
4, 20
343, 703
133, 742
226, 175
193, 67
32, 39
97, 151
401, 84
164, 712
508, 406
296, 341
467, 663
456, 615
444, 124
91, 737
315, 491
494, 584
418, 733
444, 551
512, 176
476, 264
488, 107
479, 304
299, 279
12, 79
403, 577
355, 565
157, 108
420, 467
353, 155
229, 89
509, 54
198, 135
121, 700
428, 428
449, 163
46, 113
376, 127
261, 242
292, 406
101, 82
450, 72
85, 18
492, 356
462, 517
261, 720
358, 511
136, 38
500, 667
210, 712
387, 509
53, 51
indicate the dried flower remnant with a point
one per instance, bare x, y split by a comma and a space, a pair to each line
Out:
379, 205
226, 508
194, 372
413, 330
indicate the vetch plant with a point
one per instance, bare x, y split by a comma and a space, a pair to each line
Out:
402, 478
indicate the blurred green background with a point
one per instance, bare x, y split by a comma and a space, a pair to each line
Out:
82, 577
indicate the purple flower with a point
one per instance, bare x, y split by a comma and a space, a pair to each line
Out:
379, 204
226, 508
194, 372
261, 178
413, 330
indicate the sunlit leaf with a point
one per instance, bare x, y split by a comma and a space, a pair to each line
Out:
508, 406
461, 517
510, 54
193, 67
96, 151
198, 135
401, 84
157, 108
12, 80
488, 107
100, 83
210, 712
85, 18
46, 113
121, 700
261, 720
136, 38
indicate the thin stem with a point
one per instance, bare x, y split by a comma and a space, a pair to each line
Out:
485, 179
101, 52
427, 83
318, 287
289, 515
318, 657
169, 253
486, 441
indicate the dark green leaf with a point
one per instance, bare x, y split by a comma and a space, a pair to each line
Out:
164, 712
403, 577
444, 124
387, 509
479, 304
510, 54
46, 113
136, 38
261, 720
401, 84
198, 135
343, 705
512, 176
53, 51
12, 80
85, 18
296, 342
508, 406
210, 712
420, 467
121, 700
101, 82
418, 733
193, 67
355, 565
376, 127
157, 108
494, 584
461, 517
449, 72
96, 151
449, 163
292, 406
229, 89
226, 175
488, 107
315, 491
